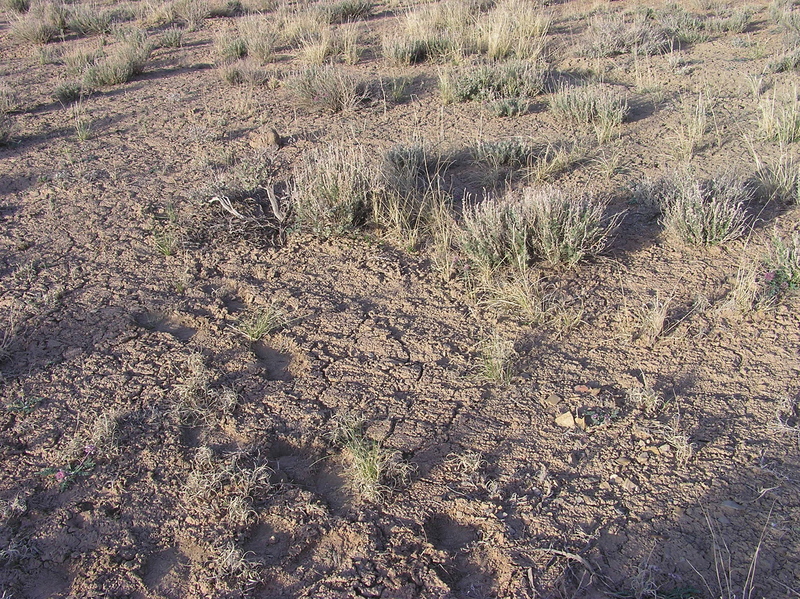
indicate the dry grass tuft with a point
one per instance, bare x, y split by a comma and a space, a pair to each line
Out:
332, 193
198, 401
374, 470
329, 88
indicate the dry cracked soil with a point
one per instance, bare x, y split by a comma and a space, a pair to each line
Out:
155, 446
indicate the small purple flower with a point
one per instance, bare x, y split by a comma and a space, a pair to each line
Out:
769, 277
90, 449
60, 475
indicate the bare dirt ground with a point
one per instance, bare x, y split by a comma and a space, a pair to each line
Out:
123, 292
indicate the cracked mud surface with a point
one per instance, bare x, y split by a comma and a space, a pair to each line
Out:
500, 501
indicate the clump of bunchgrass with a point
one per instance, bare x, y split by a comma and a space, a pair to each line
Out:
6, 128
329, 88
781, 268
225, 8
702, 212
89, 19
493, 81
788, 61
69, 91
127, 61
229, 45
680, 25
260, 36
9, 101
80, 58
260, 323
780, 121
513, 28
345, 11
504, 158
650, 319
546, 224
81, 120
171, 38
594, 104
373, 469
332, 193
198, 401
612, 34
566, 227
496, 359
646, 398
34, 29
526, 295
410, 196
17, 6
433, 31
779, 179
247, 72
317, 47
192, 12
347, 45
692, 126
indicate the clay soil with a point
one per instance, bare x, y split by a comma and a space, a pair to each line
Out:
105, 335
